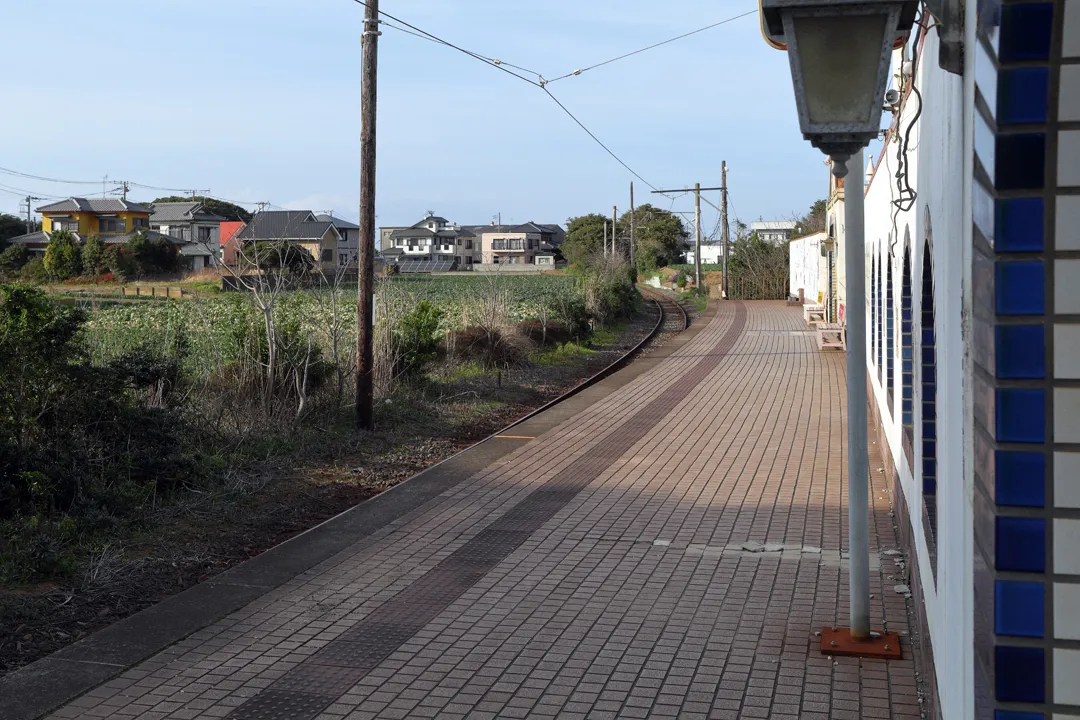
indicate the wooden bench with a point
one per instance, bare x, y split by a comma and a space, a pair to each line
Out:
814, 314
831, 335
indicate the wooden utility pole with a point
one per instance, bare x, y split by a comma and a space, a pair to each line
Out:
365, 305
697, 190
632, 265
723, 214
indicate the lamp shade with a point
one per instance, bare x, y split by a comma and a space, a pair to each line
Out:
839, 52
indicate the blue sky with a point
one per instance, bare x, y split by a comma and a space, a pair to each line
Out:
259, 100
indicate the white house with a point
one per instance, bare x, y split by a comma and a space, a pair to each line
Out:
710, 254
973, 347
807, 266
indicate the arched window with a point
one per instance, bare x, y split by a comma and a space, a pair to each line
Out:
928, 371
880, 324
890, 330
907, 352
873, 305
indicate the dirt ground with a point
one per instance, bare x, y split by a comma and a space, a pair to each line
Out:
197, 538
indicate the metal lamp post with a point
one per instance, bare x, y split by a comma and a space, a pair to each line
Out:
840, 54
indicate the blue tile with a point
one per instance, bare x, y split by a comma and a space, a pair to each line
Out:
1023, 95
1020, 415
1020, 478
1019, 608
1026, 31
1020, 351
1020, 674
1019, 288
1012, 715
1020, 545
1020, 161
1020, 223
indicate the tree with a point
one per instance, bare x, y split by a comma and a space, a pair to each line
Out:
227, 210
584, 238
151, 257
10, 226
813, 221
62, 257
12, 260
93, 256
660, 236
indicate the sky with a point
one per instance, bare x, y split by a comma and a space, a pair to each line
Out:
259, 100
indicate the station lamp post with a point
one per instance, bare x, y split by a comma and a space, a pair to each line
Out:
840, 53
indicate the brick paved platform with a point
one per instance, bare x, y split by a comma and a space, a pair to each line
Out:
668, 551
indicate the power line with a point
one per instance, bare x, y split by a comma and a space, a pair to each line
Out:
499, 64
16, 173
650, 47
486, 60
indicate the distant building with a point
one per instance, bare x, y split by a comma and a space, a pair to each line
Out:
349, 249
319, 237
191, 223
230, 243
438, 241
774, 231
710, 254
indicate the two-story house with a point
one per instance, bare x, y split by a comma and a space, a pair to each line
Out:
526, 244
112, 220
774, 231
349, 247
434, 239
320, 238
190, 222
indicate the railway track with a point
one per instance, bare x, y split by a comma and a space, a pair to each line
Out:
673, 317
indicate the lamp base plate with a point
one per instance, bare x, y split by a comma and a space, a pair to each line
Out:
838, 641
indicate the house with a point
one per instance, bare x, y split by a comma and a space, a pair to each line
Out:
112, 220
526, 244
349, 249
773, 231
319, 237
711, 254
191, 223
432, 240
230, 243
806, 268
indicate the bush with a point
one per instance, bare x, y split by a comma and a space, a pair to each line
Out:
12, 260
152, 257
681, 279
120, 262
492, 348
93, 256
34, 271
553, 333
418, 337
62, 257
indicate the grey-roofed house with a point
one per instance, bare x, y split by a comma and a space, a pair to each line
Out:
196, 227
349, 247
436, 239
525, 244
773, 231
320, 238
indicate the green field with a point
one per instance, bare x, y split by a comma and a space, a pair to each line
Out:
217, 330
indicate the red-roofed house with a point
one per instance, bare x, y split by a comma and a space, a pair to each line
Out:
229, 244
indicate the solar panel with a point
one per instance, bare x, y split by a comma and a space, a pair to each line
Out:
424, 266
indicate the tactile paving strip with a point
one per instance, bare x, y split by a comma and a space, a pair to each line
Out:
372, 640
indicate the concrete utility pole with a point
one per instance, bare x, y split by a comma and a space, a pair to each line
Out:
632, 229
614, 234
605, 238
697, 190
29, 217
365, 287
723, 214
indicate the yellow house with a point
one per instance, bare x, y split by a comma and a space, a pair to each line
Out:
95, 216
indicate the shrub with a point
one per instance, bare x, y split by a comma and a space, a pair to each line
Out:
93, 256
12, 260
62, 257
681, 279
34, 271
418, 337
120, 262
491, 348
553, 333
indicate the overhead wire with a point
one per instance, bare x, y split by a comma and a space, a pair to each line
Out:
16, 173
502, 65
650, 47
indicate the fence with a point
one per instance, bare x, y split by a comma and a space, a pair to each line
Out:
757, 288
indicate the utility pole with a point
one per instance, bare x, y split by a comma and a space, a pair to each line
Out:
632, 265
614, 247
605, 238
124, 187
365, 286
697, 190
29, 218
723, 215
